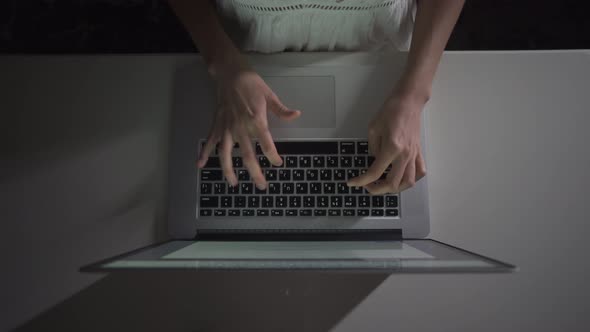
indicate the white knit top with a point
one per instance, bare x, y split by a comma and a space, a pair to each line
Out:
318, 25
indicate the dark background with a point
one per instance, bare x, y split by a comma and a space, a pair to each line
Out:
149, 26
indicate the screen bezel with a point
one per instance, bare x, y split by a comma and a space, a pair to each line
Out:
156, 251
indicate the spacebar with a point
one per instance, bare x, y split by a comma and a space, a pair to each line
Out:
303, 147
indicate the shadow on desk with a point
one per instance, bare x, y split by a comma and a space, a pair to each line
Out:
210, 301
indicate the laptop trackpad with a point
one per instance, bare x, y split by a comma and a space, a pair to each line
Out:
313, 95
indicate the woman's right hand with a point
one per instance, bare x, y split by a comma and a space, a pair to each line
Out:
243, 100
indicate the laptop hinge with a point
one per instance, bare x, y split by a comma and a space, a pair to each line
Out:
299, 235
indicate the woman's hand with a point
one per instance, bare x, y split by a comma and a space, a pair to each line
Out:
243, 101
394, 139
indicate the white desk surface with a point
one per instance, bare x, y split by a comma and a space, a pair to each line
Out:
83, 178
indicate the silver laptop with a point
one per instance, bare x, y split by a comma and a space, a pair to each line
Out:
307, 218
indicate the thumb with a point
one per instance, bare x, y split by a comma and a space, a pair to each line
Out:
282, 111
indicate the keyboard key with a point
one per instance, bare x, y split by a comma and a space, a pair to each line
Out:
240, 201
263, 161
336, 201
334, 213
311, 175
329, 188
391, 212
301, 188
233, 189
332, 161
262, 213
253, 201
219, 213
308, 201
349, 201
281, 165
348, 213
270, 174
243, 175
339, 175
291, 213
315, 188
274, 188
319, 213
356, 190
345, 162
391, 201
376, 213
211, 175
347, 148
364, 201
342, 188
294, 201
318, 161
233, 213
288, 187
219, 188
247, 188
237, 162
281, 201
322, 201
205, 188
362, 212
326, 174
212, 162
304, 162
276, 213
360, 161
352, 173
209, 202
291, 162
305, 212
259, 191
205, 212
226, 201
377, 201
362, 147
317, 147
247, 213
267, 201
298, 175
285, 175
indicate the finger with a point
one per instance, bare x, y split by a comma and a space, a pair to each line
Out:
393, 179
420, 166
249, 159
225, 160
207, 150
282, 111
268, 148
214, 137
382, 161
409, 178
374, 142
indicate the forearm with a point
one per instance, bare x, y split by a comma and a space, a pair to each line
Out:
435, 20
202, 23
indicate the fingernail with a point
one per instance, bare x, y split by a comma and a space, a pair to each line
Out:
261, 186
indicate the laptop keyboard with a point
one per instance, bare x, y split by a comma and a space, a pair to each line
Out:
310, 183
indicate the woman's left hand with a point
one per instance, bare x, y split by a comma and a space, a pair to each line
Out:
394, 139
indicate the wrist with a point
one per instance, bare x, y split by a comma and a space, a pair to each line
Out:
228, 66
412, 91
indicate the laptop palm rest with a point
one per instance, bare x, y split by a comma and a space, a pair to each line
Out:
314, 96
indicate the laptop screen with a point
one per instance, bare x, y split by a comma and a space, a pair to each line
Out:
394, 256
